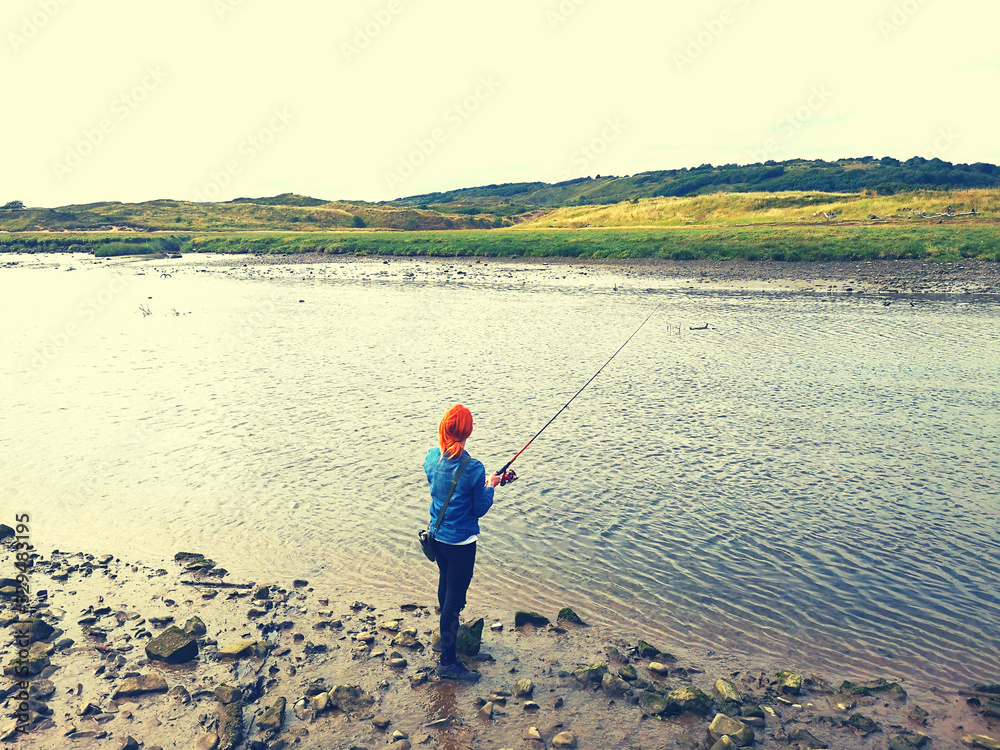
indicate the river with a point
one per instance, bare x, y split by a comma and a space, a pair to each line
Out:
810, 481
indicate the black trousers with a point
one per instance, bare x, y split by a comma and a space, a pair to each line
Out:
455, 564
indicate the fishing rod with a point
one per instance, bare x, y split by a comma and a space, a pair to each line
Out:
507, 474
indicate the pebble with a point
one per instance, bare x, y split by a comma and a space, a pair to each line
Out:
320, 702
564, 740
531, 733
381, 721
206, 742
524, 688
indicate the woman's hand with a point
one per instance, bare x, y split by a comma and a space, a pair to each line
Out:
493, 481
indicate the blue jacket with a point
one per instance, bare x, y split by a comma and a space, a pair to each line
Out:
470, 502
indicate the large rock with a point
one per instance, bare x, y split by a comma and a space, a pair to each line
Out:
564, 741
230, 726
872, 687
523, 688
35, 628
147, 683
470, 637
37, 661
568, 615
469, 641
237, 650
982, 741
736, 730
6, 532
613, 686
351, 698
274, 716
862, 724
727, 691
689, 699
592, 673
789, 682
227, 694
649, 651
521, 617
653, 702
208, 741
907, 740
172, 646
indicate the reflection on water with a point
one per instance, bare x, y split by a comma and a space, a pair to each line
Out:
810, 478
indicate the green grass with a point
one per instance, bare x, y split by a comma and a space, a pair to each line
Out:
931, 242
138, 246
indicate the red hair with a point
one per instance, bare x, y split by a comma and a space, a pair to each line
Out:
456, 426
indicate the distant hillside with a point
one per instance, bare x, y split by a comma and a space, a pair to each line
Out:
885, 176
284, 213
745, 209
800, 183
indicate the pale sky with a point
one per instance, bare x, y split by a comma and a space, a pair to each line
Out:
132, 100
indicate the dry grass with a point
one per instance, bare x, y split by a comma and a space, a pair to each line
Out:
731, 209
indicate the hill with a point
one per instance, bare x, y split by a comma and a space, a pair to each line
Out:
885, 176
285, 213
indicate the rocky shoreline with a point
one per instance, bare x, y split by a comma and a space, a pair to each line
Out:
877, 281
970, 279
113, 654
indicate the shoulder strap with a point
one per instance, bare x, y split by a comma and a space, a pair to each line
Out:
454, 483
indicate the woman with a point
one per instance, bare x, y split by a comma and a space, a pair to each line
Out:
455, 538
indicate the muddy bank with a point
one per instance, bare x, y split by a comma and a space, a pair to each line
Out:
891, 277
876, 281
133, 655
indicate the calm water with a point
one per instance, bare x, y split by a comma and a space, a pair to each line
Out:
813, 479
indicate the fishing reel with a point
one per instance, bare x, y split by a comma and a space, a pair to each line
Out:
507, 477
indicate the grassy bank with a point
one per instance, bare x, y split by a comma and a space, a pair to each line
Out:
938, 242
